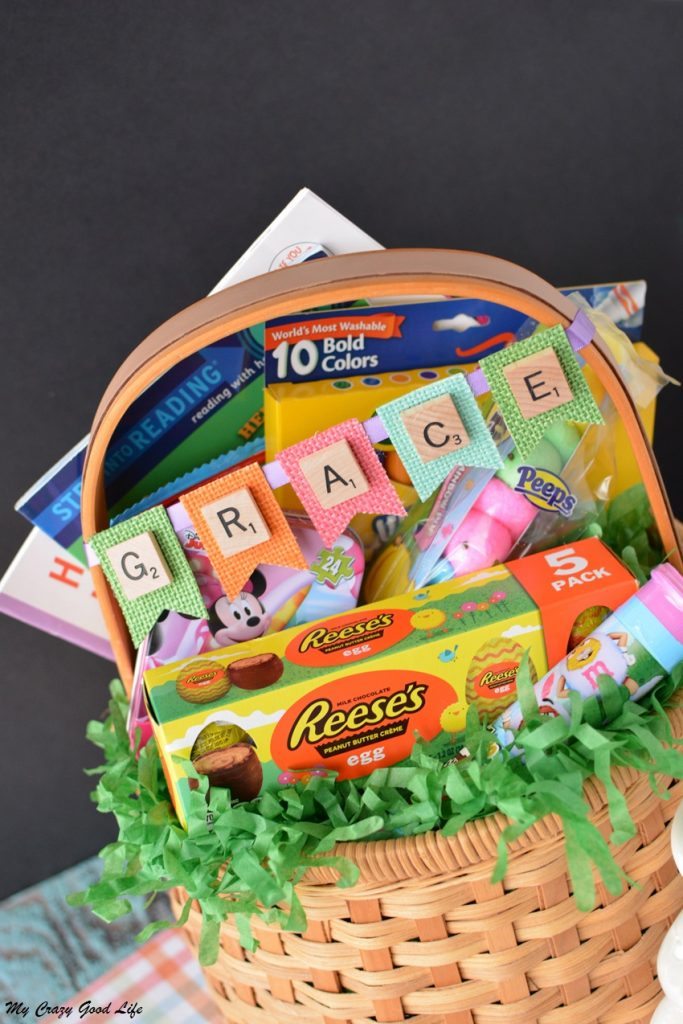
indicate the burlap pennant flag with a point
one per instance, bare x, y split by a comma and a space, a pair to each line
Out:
241, 525
336, 474
436, 428
536, 382
147, 570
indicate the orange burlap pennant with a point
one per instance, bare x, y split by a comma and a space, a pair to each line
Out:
241, 526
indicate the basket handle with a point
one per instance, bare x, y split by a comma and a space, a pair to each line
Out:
324, 282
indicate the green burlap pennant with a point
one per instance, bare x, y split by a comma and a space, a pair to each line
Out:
536, 382
423, 419
146, 568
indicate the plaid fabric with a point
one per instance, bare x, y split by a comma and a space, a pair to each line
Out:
163, 977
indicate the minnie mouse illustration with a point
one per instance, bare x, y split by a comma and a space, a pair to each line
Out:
176, 635
245, 618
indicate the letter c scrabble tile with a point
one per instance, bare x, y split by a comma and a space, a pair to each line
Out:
435, 428
333, 474
235, 522
538, 383
139, 565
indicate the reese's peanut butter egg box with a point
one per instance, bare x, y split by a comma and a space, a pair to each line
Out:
350, 693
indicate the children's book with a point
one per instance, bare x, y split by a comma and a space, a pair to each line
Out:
48, 589
209, 403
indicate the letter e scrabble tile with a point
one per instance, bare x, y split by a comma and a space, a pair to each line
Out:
435, 428
538, 383
236, 522
139, 565
333, 474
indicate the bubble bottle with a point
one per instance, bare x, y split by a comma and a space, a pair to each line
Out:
639, 644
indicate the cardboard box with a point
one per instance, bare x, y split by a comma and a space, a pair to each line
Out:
349, 693
327, 402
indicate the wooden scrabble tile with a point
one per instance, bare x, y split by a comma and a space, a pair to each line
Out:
139, 565
333, 474
435, 428
538, 383
236, 522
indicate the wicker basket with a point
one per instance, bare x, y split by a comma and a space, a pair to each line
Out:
425, 937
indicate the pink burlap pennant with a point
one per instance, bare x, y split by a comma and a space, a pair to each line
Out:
336, 474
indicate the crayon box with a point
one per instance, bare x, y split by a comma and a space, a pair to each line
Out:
349, 693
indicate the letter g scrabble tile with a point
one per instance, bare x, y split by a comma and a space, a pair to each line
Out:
139, 565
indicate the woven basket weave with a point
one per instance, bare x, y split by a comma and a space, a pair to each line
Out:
425, 937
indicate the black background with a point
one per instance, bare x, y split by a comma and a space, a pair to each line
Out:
145, 145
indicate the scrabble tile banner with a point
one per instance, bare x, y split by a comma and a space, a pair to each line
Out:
240, 524
147, 570
336, 474
436, 428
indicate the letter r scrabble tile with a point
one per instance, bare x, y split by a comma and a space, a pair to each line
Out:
236, 522
538, 383
333, 474
435, 428
139, 565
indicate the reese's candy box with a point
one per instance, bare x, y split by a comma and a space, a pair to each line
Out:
350, 693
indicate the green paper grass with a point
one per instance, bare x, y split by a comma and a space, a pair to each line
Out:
248, 861
627, 526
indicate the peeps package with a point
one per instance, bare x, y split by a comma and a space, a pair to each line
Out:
349, 693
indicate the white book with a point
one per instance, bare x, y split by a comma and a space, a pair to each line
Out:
47, 588
305, 225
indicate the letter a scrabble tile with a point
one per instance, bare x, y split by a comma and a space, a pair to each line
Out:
235, 522
334, 475
538, 383
139, 565
435, 428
